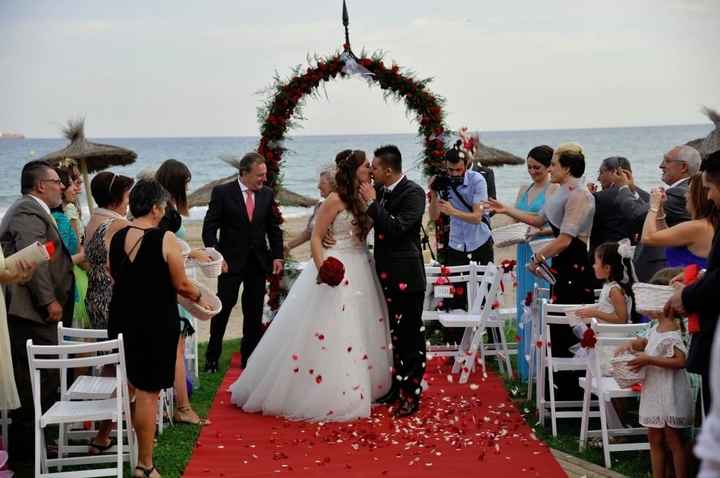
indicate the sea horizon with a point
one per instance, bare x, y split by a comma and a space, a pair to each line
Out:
315, 135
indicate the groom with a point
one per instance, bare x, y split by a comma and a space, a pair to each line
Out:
396, 206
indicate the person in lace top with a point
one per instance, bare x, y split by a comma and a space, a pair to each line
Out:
665, 399
569, 212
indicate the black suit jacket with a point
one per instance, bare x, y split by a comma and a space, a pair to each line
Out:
701, 298
649, 260
609, 224
238, 236
397, 222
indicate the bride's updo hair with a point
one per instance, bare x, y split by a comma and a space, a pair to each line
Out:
347, 163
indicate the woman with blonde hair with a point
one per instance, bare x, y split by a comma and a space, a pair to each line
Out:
569, 212
326, 185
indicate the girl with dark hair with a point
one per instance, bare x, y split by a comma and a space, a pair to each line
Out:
312, 378
531, 198
688, 242
175, 176
616, 302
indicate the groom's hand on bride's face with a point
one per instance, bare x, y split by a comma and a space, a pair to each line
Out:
367, 192
329, 239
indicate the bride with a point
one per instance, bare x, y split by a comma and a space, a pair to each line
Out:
326, 355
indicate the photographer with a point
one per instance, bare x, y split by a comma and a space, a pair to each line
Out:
460, 194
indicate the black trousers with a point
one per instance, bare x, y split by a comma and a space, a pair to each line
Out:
408, 340
252, 277
21, 429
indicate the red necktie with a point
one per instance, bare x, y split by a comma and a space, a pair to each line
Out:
249, 204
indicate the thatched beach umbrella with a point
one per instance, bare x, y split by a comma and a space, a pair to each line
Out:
91, 157
711, 142
485, 155
201, 196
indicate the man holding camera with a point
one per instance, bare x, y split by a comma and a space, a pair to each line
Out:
459, 194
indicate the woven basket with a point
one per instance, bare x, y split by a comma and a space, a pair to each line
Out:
538, 244
510, 234
214, 267
651, 298
622, 374
195, 310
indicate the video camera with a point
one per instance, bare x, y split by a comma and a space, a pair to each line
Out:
443, 182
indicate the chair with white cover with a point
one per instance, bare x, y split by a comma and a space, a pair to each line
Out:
477, 321
606, 388
555, 314
533, 359
435, 293
62, 358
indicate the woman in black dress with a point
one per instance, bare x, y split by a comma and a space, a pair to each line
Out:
569, 212
148, 272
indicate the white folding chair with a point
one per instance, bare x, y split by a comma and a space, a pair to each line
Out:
62, 358
165, 410
555, 314
476, 322
456, 275
605, 389
539, 293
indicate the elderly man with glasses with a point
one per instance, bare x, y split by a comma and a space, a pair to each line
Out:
35, 308
677, 166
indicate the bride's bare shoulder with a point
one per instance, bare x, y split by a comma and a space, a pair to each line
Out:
333, 203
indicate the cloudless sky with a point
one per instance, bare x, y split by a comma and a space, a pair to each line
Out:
182, 68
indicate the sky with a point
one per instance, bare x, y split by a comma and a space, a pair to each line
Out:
180, 68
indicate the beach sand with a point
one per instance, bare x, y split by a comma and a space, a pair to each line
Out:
291, 228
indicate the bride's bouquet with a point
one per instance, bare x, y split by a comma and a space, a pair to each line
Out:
331, 272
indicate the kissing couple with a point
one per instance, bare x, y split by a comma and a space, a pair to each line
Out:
337, 346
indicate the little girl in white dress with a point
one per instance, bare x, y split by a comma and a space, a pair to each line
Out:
665, 399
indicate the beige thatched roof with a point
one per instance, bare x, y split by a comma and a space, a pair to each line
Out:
489, 156
96, 156
711, 142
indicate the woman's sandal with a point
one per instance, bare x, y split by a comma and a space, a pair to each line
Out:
97, 449
188, 416
141, 472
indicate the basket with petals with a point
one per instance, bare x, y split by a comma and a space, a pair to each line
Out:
195, 309
623, 374
510, 234
650, 297
213, 268
538, 244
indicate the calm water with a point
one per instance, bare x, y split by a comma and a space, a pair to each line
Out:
644, 147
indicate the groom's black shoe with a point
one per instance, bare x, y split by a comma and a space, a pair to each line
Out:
389, 398
408, 406
211, 366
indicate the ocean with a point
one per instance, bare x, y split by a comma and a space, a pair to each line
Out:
644, 146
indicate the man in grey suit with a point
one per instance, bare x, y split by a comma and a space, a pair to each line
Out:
35, 307
678, 165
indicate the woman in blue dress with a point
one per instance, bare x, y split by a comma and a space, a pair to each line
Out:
688, 242
530, 198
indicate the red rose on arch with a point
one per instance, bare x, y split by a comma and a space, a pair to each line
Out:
331, 272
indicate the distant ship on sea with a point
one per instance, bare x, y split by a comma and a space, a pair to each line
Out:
11, 135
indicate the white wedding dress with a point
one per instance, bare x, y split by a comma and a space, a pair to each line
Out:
326, 354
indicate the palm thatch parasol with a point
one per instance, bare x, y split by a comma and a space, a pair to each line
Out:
711, 142
91, 157
483, 154
201, 196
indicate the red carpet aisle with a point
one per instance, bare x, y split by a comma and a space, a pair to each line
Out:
461, 430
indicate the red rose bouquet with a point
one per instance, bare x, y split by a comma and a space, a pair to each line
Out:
331, 272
